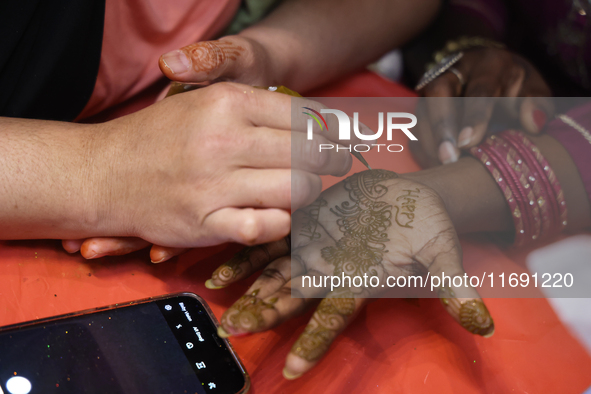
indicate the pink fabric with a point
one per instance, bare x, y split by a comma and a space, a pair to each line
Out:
137, 32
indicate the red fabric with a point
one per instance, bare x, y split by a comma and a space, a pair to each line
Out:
402, 346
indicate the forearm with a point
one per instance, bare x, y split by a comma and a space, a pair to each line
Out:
45, 180
309, 35
476, 204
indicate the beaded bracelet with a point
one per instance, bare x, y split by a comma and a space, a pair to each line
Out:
532, 191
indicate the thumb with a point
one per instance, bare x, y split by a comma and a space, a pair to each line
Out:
203, 61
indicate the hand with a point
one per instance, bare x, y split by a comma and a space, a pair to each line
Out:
373, 223
210, 166
232, 58
489, 73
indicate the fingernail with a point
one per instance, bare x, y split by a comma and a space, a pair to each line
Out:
223, 333
290, 376
447, 153
93, 255
176, 61
490, 334
465, 136
209, 284
540, 118
159, 261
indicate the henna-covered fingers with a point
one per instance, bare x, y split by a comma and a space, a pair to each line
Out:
261, 309
332, 316
246, 262
442, 256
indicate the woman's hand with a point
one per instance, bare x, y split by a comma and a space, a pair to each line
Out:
374, 223
210, 166
487, 73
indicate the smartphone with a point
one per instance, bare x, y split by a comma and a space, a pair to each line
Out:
163, 345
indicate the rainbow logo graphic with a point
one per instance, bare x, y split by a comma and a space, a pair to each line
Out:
316, 117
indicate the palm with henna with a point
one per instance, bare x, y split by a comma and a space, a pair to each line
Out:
374, 223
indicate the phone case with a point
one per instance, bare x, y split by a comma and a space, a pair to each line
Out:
244, 389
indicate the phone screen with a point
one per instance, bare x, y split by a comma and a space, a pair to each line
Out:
165, 346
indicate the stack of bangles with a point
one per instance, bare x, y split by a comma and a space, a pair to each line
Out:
528, 183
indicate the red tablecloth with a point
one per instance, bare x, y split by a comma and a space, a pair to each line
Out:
395, 345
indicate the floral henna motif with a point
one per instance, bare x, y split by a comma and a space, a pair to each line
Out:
330, 318
209, 55
246, 313
364, 224
472, 314
232, 268
311, 224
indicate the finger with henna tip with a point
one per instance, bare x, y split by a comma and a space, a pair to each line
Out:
246, 262
160, 254
443, 255
205, 61
93, 248
252, 313
72, 245
331, 317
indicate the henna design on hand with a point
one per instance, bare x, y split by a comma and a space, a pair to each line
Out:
407, 208
232, 268
329, 319
312, 212
209, 55
246, 313
364, 225
473, 315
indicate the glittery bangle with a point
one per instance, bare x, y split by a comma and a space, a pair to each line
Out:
551, 179
503, 161
546, 199
518, 163
533, 193
480, 152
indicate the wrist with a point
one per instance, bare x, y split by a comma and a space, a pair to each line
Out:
470, 195
261, 63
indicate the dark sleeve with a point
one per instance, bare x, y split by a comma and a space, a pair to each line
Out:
49, 56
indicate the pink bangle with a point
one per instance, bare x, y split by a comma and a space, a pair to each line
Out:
533, 193
481, 153
549, 206
549, 178
518, 162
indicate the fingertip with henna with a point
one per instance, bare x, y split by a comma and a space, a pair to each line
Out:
490, 334
176, 61
289, 375
210, 285
223, 333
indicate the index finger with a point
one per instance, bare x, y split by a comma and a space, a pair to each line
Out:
442, 112
332, 316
